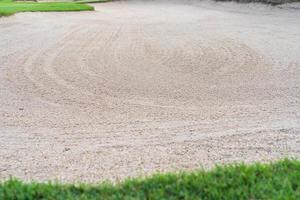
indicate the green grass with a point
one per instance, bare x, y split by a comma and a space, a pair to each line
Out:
279, 180
9, 7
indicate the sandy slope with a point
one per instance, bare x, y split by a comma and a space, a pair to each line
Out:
144, 86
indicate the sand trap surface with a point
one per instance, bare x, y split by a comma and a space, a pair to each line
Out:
143, 86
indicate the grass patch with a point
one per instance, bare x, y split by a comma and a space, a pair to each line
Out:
279, 180
9, 7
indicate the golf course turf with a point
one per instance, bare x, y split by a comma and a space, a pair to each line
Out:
278, 180
9, 7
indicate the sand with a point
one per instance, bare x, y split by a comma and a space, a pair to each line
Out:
138, 87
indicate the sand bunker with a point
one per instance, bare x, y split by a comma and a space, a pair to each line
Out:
142, 86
